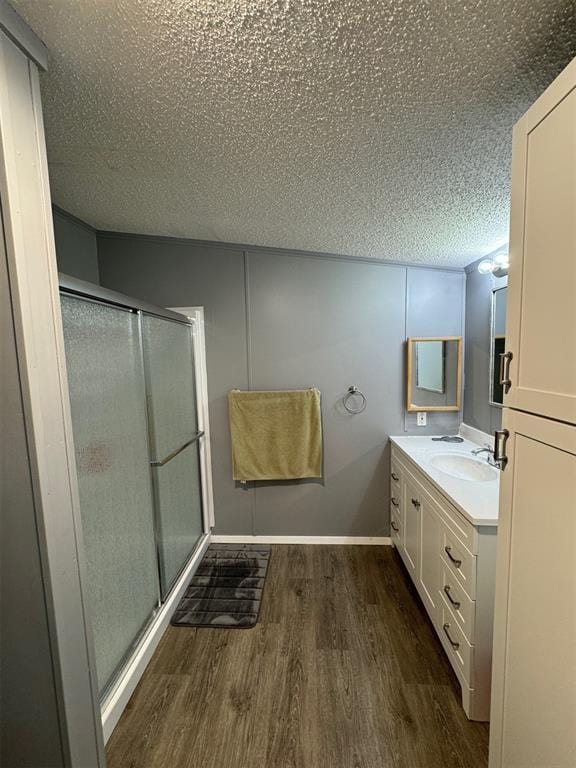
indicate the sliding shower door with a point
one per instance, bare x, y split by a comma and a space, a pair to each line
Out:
174, 437
108, 403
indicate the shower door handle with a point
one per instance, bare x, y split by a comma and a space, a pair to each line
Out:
162, 462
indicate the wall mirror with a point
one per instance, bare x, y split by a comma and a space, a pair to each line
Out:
497, 344
434, 373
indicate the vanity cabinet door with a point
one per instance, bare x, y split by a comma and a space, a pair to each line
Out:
429, 571
534, 657
541, 322
411, 518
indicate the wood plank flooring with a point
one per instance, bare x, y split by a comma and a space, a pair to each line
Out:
344, 670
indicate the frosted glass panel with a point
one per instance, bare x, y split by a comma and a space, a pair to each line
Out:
179, 512
108, 401
170, 375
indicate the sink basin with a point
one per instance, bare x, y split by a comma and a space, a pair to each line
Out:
464, 467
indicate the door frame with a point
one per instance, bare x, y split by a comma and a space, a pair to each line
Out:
33, 282
196, 315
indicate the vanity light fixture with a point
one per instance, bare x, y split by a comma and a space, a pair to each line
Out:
498, 266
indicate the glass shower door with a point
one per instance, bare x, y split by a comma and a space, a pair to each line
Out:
108, 404
174, 436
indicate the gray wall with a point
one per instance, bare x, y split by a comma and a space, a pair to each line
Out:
434, 307
276, 319
29, 725
76, 246
478, 412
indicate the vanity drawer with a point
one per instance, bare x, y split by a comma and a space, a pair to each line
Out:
460, 563
462, 607
459, 650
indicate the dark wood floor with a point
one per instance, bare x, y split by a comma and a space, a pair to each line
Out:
344, 670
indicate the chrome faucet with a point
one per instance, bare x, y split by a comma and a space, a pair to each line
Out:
489, 452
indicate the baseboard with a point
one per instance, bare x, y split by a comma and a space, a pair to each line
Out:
115, 703
362, 540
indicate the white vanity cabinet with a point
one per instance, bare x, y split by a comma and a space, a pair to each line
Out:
452, 564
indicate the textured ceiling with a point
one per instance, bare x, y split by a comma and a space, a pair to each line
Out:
362, 127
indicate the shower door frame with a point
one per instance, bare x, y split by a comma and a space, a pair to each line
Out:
118, 691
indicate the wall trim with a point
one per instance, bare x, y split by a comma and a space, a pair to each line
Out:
239, 247
258, 539
74, 219
116, 701
14, 27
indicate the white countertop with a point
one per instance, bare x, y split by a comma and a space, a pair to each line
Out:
476, 500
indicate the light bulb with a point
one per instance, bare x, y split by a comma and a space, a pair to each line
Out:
502, 261
486, 266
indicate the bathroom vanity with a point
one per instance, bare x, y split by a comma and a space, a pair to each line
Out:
444, 517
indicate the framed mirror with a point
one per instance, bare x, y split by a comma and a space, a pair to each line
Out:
497, 344
434, 373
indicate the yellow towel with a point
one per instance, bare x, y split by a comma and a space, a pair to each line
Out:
275, 435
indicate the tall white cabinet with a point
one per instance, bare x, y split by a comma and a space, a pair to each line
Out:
533, 713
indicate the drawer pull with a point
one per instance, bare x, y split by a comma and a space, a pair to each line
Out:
448, 551
500, 438
395, 477
416, 503
394, 501
454, 645
394, 526
455, 603
504, 374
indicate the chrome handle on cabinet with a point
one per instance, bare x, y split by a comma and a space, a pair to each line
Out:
455, 603
394, 526
395, 476
415, 502
500, 438
453, 643
504, 377
448, 551
394, 501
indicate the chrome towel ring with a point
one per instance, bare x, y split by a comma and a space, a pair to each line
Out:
351, 397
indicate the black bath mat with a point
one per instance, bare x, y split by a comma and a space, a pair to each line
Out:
226, 590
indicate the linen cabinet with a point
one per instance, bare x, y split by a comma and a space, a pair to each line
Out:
539, 365
533, 712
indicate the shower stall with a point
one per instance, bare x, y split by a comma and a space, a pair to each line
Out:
139, 447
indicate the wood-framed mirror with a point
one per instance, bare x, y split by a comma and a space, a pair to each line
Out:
434, 373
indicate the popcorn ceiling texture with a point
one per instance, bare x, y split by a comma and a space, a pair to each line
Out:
378, 129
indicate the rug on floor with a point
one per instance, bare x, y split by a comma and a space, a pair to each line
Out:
226, 590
